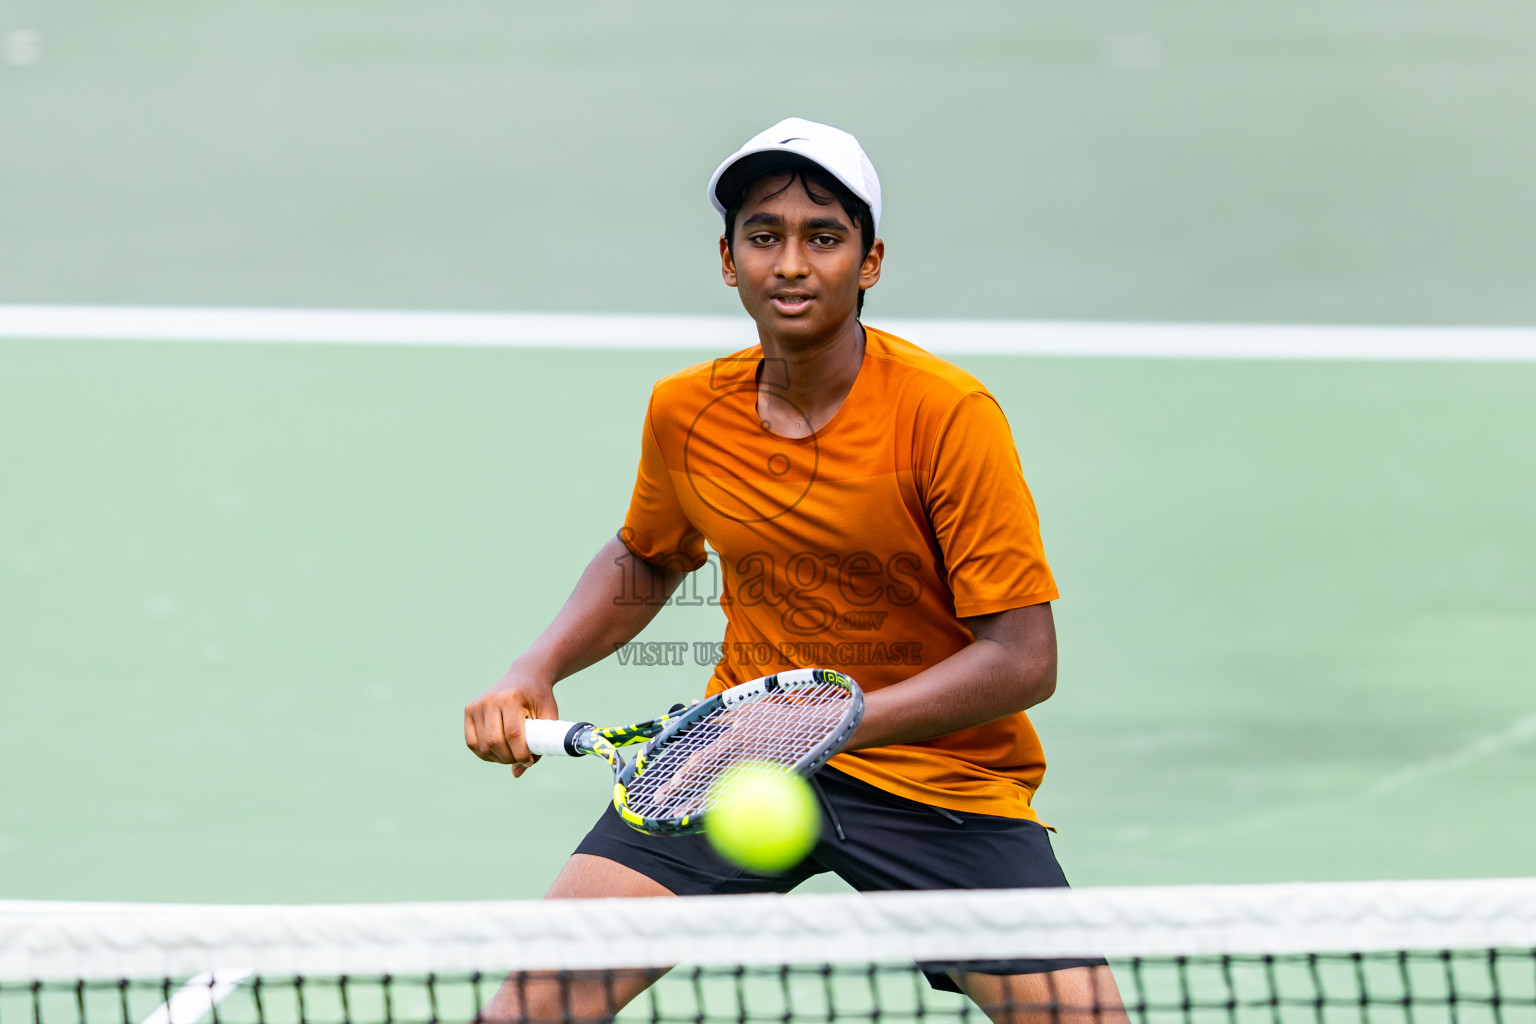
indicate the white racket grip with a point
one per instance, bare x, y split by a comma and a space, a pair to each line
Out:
545, 736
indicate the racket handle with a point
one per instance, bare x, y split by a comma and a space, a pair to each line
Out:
544, 736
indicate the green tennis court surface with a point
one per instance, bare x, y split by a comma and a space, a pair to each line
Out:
1365, 161
245, 591
248, 589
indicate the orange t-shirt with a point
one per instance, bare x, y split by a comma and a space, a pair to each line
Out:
858, 548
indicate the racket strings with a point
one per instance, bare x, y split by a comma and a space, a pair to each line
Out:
780, 729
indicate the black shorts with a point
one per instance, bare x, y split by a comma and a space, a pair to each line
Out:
873, 840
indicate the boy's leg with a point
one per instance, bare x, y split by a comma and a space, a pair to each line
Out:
578, 995
886, 842
614, 860
1075, 995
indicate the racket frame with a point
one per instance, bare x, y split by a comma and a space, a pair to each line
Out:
585, 738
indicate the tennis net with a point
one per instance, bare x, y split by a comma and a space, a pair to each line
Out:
1409, 952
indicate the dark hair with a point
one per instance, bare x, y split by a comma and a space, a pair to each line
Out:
738, 181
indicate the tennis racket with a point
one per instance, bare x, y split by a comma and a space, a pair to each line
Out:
795, 719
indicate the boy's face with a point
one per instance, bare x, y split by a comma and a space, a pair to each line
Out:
798, 265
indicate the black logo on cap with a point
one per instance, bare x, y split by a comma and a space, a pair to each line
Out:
794, 139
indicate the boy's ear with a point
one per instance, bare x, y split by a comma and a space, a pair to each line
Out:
869, 273
727, 263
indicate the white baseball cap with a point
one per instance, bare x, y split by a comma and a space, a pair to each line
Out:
832, 149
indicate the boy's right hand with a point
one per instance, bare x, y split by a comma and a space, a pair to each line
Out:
493, 721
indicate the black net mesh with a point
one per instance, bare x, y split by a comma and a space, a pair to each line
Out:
1419, 987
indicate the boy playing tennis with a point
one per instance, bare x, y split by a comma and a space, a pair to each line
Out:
871, 516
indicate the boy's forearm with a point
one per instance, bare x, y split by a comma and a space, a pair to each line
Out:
1010, 667
616, 597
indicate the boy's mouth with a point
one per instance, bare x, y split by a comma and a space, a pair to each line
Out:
791, 305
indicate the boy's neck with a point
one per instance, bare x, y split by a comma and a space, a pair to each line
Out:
802, 384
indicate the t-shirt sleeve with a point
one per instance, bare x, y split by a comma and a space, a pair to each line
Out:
983, 514
656, 529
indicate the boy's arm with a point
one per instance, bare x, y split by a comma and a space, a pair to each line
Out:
595, 620
1010, 667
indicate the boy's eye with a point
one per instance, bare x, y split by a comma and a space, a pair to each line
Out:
760, 238
825, 239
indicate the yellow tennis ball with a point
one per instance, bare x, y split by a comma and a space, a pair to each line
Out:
762, 817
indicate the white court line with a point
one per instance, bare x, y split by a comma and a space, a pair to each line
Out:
197, 998
728, 333
1480, 749
1523, 731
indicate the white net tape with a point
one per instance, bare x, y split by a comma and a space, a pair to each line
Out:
40, 940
